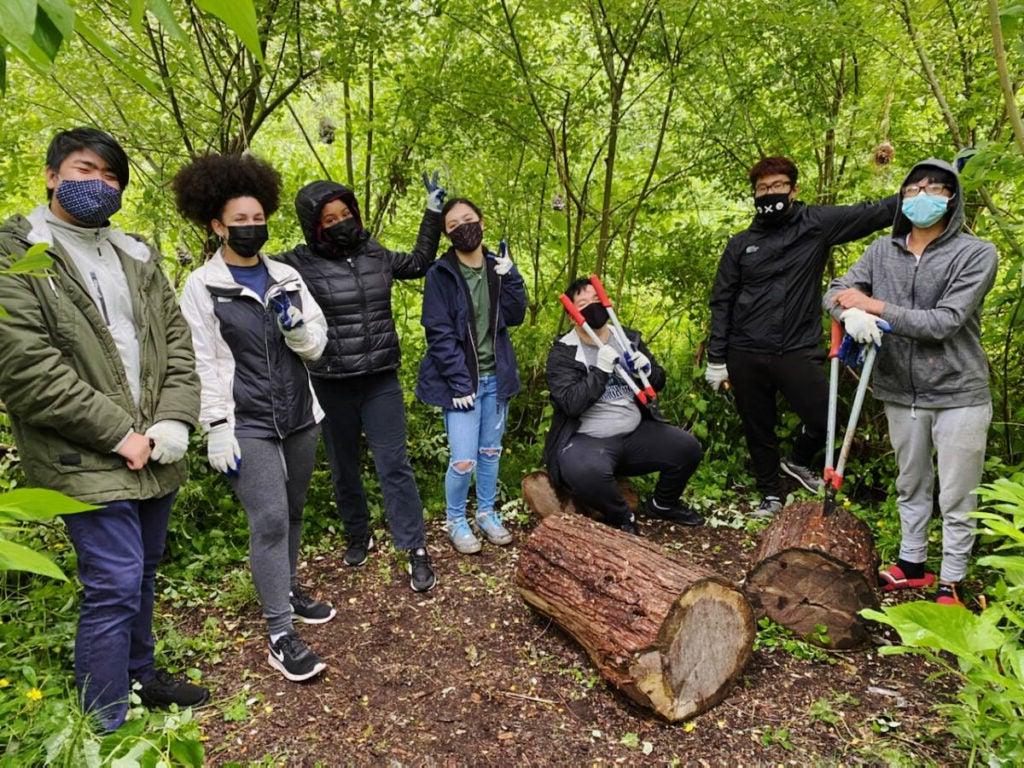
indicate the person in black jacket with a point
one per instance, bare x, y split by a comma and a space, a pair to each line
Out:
599, 431
766, 318
356, 380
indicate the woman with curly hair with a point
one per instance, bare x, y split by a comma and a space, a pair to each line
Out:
254, 328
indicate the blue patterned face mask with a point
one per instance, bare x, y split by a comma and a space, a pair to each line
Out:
924, 210
89, 201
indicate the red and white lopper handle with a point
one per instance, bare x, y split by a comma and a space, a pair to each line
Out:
602, 296
578, 318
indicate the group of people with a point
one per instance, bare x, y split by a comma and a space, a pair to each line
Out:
104, 373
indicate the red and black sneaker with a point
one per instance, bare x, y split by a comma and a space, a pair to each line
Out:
893, 578
948, 594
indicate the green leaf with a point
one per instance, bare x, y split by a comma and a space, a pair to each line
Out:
55, 23
34, 261
240, 17
39, 504
161, 9
18, 27
15, 557
93, 38
941, 627
136, 10
187, 752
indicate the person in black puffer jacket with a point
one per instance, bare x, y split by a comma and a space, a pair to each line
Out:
356, 380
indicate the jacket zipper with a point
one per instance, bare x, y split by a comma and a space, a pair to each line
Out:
99, 295
913, 342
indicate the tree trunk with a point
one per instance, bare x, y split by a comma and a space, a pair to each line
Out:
545, 500
812, 570
672, 637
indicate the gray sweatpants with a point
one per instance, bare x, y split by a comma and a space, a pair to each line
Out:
957, 436
271, 485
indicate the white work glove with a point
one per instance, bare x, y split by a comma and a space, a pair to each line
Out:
716, 374
463, 403
502, 262
222, 449
170, 441
607, 356
861, 326
435, 192
294, 330
637, 362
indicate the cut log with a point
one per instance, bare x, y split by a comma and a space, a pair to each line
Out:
812, 570
544, 499
672, 637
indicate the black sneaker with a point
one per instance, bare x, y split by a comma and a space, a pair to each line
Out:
358, 551
626, 526
807, 477
293, 658
309, 610
769, 506
165, 689
678, 513
423, 578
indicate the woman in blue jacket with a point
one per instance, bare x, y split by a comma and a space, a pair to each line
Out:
470, 300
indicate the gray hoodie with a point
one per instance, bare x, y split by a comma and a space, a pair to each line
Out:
933, 358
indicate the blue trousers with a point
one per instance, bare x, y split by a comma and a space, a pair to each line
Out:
474, 439
118, 548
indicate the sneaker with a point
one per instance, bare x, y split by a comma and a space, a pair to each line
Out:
948, 594
462, 537
677, 513
626, 526
165, 689
309, 610
807, 477
423, 578
769, 507
293, 658
490, 526
896, 577
357, 551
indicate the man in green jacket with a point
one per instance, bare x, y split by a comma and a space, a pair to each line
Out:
98, 377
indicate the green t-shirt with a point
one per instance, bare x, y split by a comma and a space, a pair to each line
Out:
476, 279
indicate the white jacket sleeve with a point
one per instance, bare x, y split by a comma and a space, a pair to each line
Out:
216, 401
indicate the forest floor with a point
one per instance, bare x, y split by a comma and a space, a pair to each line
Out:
468, 674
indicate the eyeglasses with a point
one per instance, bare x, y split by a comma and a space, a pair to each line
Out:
778, 186
928, 189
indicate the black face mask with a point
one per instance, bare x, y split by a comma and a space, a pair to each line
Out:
466, 237
346, 235
247, 240
772, 207
595, 314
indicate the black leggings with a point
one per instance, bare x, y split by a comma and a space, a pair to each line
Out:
589, 465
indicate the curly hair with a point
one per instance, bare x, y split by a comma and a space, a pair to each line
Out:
203, 187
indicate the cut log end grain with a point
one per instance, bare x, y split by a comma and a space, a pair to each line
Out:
671, 636
813, 571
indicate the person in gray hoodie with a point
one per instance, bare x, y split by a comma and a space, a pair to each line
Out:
928, 280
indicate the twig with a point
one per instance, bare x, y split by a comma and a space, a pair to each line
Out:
528, 698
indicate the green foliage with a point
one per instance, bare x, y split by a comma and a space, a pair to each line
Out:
31, 505
988, 716
771, 636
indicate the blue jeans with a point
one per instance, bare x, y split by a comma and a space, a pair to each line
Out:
474, 440
119, 546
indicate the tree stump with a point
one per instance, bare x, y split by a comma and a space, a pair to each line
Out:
672, 637
811, 571
545, 499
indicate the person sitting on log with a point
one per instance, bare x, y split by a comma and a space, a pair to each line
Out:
928, 280
599, 431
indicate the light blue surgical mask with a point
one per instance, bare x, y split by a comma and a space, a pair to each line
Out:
924, 210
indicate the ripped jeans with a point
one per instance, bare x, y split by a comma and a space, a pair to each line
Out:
474, 440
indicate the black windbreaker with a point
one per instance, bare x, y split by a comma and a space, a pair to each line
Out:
767, 293
354, 289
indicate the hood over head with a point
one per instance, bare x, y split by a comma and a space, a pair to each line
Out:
955, 212
311, 199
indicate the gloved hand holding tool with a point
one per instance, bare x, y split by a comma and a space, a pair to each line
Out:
502, 262
578, 318
635, 362
435, 192
834, 475
289, 318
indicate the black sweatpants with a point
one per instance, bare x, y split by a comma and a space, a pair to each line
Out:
372, 404
589, 465
800, 377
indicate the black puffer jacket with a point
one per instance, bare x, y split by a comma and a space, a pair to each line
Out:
767, 294
354, 289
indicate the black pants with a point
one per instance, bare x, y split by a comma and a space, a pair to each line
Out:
589, 465
800, 377
372, 404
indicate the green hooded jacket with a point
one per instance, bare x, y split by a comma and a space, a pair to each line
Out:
62, 381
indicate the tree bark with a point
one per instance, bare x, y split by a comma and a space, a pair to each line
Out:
671, 637
545, 500
812, 570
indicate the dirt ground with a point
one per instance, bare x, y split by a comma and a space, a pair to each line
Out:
469, 675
